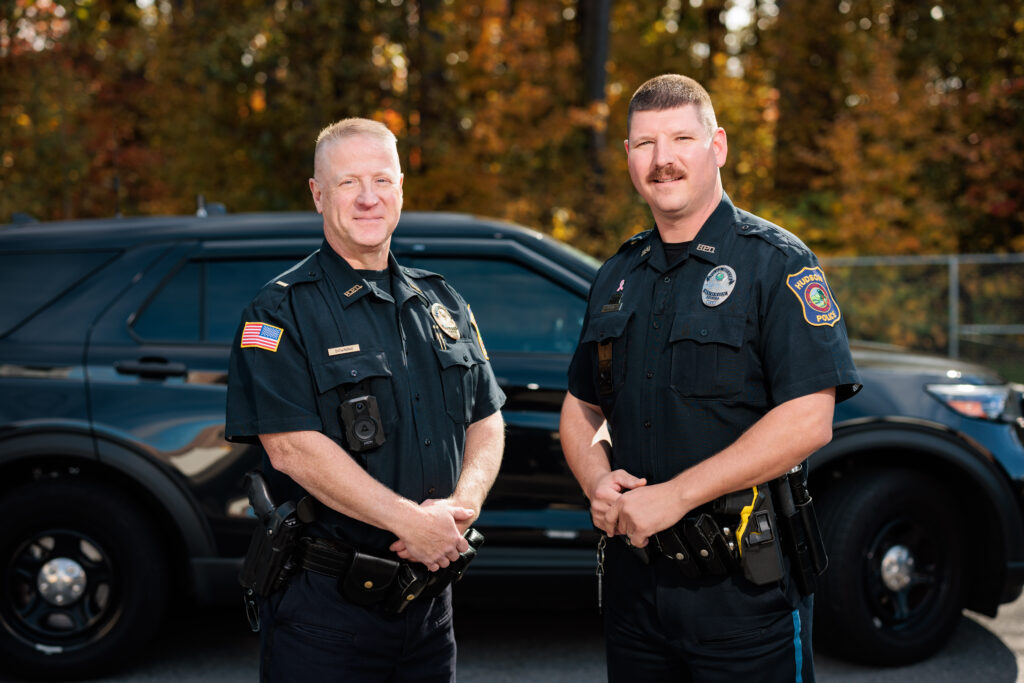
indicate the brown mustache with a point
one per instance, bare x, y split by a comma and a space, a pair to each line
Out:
665, 173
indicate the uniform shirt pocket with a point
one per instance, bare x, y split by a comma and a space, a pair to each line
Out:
608, 332
707, 357
459, 377
337, 379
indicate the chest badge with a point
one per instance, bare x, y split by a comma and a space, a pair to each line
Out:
718, 285
444, 320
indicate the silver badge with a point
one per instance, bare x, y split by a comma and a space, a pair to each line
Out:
718, 285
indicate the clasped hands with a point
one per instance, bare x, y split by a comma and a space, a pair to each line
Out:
434, 536
624, 505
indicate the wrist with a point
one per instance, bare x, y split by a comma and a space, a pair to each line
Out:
680, 495
402, 515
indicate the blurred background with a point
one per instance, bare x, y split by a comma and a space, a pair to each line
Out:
889, 129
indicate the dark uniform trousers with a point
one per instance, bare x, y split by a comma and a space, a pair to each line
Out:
661, 626
311, 634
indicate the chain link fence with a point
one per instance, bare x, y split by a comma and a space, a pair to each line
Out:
968, 306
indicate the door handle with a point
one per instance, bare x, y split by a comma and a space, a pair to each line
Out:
150, 368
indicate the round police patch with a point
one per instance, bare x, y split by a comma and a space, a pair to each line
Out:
817, 298
718, 285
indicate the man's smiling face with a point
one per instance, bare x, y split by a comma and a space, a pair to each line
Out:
358, 189
674, 161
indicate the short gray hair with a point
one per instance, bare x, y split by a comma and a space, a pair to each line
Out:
349, 128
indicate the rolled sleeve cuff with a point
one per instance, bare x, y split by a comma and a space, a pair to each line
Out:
846, 385
247, 431
489, 407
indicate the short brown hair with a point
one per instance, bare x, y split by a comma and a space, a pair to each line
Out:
347, 128
669, 91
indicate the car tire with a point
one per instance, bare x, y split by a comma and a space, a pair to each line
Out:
893, 590
84, 578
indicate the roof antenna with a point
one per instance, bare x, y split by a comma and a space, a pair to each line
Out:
201, 206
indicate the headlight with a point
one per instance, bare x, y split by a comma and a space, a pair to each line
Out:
972, 400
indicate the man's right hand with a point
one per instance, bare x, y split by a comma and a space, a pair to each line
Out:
605, 491
432, 536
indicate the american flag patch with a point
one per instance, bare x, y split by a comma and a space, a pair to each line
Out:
261, 335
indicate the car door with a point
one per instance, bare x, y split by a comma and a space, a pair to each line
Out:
157, 369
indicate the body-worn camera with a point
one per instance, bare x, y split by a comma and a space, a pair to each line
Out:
360, 418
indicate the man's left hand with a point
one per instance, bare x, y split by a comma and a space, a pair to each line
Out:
644, 511
399, 548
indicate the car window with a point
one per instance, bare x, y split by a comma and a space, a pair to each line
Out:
518, 309
203, 300
34, 279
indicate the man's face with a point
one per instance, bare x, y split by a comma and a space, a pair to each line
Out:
673, 163
358, 190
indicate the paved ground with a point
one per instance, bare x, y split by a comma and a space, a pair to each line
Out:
515, 634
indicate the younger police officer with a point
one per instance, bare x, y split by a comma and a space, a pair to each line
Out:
365, 384
715, 351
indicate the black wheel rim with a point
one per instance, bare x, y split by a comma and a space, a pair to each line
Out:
41, 604
909, 597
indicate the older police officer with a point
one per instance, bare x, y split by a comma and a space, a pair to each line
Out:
367, 386
715, 351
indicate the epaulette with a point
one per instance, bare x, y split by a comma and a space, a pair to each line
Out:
775, 235
420, 273
306, 270
634, 240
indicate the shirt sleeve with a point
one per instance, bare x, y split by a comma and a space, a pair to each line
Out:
581, 368
270, 388
489, 397
804, 341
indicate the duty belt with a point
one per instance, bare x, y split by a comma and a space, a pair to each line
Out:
735, 531
367, 579
700, 546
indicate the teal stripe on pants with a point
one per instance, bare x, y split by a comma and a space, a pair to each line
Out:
797, 647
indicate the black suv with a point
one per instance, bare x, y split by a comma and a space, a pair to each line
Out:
119, 492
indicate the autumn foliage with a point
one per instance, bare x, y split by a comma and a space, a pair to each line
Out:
866, 126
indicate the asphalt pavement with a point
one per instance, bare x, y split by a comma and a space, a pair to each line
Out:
550, 632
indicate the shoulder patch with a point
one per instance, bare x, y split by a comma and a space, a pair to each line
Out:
261, 336
810, 287
476, 329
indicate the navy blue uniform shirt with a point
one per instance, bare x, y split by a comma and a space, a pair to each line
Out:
684, 358
320, 334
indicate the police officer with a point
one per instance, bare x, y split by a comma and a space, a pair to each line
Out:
367, 386
714, 352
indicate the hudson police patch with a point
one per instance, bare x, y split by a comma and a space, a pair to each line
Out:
812, 290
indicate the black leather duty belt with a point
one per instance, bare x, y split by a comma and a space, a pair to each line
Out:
367, 579
325, 557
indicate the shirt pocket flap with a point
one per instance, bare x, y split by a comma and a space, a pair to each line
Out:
350, 369
605, 326
463, 352
706, 328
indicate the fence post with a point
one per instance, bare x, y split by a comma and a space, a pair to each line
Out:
954, 306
